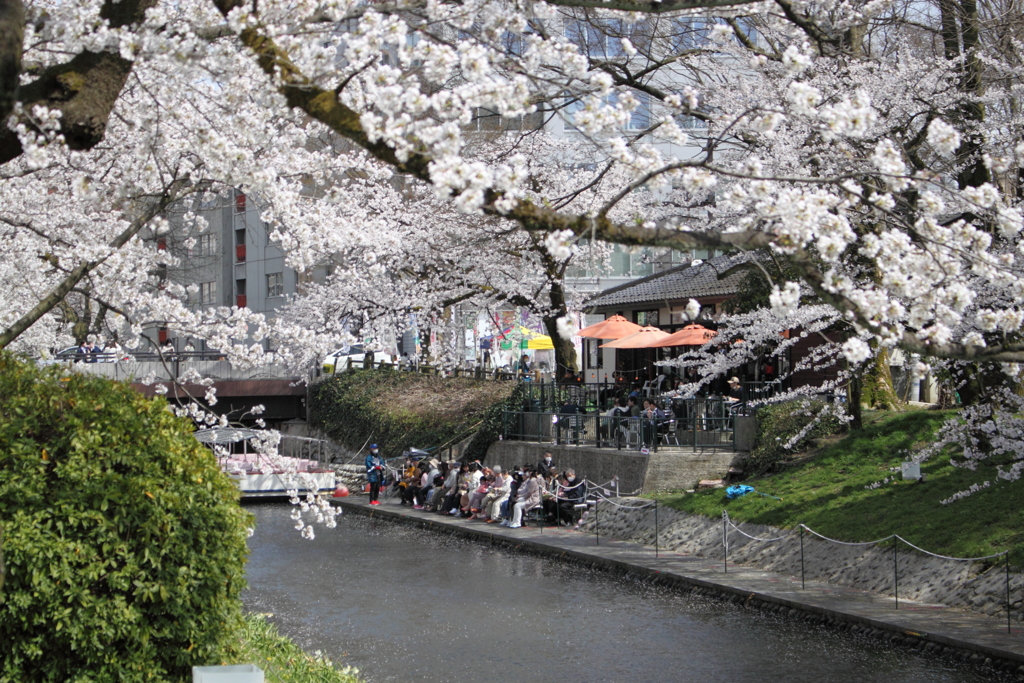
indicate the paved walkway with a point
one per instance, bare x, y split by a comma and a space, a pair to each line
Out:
986, 636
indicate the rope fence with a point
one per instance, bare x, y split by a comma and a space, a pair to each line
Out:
727, 524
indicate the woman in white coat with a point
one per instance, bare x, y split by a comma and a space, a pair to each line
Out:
529, 496
491, 506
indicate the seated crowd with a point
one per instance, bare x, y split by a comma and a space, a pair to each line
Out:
492, 495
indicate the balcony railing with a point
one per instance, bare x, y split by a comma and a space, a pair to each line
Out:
697, 423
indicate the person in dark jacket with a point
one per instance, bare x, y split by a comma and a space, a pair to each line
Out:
735, 390
374, 473
545, 465
523, 369
573, 494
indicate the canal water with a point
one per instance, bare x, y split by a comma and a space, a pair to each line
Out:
403, 604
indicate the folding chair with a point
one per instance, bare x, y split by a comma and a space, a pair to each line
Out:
669, 431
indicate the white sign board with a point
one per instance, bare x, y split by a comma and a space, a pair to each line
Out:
911, 470
237, 673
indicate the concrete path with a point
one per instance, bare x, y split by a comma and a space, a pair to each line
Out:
986, 636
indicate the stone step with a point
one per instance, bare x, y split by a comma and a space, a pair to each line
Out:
683, 469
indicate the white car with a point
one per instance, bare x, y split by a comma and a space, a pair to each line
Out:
338, 361
71, 355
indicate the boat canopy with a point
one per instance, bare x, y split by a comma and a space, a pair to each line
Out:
224, 435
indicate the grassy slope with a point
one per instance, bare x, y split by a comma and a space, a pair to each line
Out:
282, 660
828, 494
403, 409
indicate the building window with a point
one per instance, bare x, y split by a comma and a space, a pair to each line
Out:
688, 122
595, 359
640, 118
690, 33
275, 284
239, 203
597, 40
208, 292
646, 317
206, 245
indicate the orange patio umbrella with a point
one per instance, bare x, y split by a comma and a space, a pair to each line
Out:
615, 327
638, 340
691, 335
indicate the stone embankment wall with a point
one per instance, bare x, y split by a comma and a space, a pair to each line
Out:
667, 468
970, 585
675, 470
596, 464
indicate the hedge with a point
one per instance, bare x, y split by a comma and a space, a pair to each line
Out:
124, 544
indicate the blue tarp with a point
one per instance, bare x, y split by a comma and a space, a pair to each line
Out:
738, 490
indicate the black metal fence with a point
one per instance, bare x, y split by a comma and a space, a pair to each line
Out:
760, 391
551, 396
700, 423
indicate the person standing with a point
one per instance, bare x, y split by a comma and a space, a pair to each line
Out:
524, 367
374, 473
653, 418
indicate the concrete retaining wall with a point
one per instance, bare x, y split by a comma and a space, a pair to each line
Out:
670, 469
596, 464
664, 469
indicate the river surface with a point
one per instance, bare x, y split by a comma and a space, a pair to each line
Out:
403, 604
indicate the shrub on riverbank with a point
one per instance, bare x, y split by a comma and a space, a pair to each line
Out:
399, 410
853, 491
124, 544
282, 660
779, 424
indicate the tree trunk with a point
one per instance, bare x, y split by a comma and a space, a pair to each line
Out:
853, 399
12, 34
877, 389
977, 381
565, 352
960, 37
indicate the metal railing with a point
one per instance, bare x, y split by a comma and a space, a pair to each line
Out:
698, 424
760, 391
135, 356
599, 395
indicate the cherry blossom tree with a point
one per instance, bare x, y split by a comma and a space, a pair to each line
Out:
872, 148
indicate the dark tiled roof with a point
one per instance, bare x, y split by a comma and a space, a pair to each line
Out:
681, 282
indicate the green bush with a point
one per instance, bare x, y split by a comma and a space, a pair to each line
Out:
282, 660
124, 544
777, 425
399, 410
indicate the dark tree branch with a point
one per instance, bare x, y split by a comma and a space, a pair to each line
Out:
12, 34
53, 299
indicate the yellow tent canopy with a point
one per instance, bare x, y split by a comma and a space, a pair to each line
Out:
539, 343
530, 339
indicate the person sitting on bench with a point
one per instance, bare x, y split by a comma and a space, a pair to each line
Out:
573, 493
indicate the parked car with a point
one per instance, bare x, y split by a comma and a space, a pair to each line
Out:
338, 361
71, 355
